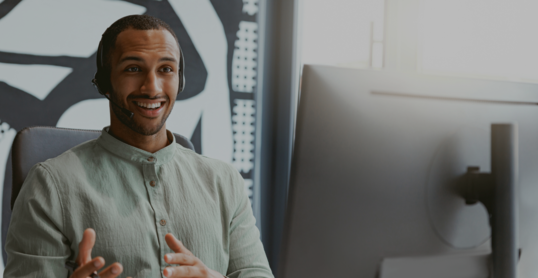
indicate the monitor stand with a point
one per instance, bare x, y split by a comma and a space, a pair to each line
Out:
489, 203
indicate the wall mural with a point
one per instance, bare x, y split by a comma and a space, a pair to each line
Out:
47, 59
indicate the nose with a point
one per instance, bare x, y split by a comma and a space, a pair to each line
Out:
151, 85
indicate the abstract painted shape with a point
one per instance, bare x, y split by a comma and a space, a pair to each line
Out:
87, 114
244, 61
61, 27
207, 34
243, 128
37, 80
7, 135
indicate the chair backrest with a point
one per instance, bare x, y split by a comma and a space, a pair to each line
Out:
37, 144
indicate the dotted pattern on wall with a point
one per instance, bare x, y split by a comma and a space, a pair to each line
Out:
243, 128
248, 187
250, 7
245, 56
4, 127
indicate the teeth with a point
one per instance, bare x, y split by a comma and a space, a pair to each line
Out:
149, 105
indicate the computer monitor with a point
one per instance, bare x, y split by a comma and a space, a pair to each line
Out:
374, 160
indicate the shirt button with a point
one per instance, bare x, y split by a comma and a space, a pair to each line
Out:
152, 183
163, 222
151, 159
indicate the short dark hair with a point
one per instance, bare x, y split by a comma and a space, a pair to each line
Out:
108, 41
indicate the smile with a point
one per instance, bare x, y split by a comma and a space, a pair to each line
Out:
150, 108
148, 105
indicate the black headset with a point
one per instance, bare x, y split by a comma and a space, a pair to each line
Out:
103, 82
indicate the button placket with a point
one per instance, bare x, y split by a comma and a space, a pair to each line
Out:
151, 169
152, 185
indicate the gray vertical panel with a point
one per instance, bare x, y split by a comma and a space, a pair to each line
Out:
278, 93
262, 143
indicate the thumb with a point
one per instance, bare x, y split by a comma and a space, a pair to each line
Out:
85, 247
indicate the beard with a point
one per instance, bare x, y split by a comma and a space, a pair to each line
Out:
131, 123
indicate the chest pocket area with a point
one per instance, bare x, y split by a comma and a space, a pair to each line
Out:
200, 227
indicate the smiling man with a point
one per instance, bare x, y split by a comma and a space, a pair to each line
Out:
133, 202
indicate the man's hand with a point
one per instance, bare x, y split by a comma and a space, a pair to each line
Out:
190, 266
87, 265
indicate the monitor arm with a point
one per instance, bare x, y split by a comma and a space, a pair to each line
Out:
497, 191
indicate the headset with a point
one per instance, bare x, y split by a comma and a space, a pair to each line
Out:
101, 82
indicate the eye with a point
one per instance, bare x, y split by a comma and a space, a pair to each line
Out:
132, 69
167, 69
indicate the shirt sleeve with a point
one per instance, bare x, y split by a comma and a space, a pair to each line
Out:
35, 244
247, 256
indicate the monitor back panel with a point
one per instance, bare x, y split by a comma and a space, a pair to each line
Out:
374, 157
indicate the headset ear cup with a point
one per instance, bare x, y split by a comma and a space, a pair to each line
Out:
101, 82
181, 81
181, 71
97, 86
181, 85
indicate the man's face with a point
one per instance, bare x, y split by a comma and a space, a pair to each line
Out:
144, 78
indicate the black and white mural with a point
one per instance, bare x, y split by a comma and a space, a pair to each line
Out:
47, 59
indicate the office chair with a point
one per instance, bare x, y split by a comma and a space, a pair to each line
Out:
37, 144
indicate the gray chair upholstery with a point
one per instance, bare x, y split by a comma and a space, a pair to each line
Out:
37, 144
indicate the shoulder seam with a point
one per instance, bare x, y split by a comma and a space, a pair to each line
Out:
68, 151
55, 184
238, 195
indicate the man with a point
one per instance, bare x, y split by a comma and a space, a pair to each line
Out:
134, 198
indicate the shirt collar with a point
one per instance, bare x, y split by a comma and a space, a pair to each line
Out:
126, 151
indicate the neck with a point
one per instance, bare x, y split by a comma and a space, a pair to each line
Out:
149, 143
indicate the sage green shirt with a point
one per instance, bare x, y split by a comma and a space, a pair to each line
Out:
132, 199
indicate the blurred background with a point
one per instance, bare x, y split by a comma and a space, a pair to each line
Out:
243, 66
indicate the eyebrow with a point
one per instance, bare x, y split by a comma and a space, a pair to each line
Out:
135, 58
131, 58
169, 59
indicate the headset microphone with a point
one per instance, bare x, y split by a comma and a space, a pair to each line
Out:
125, 111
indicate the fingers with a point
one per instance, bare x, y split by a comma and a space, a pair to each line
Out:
87, 266
185, 271
86, 269
180, 258
85, 247
112, 271
175, 244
